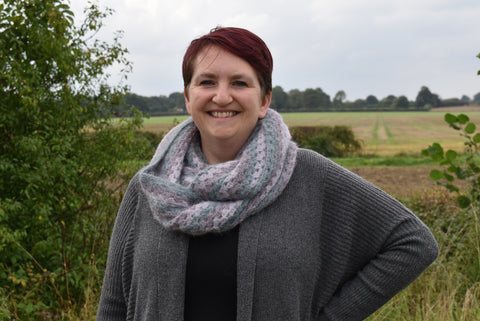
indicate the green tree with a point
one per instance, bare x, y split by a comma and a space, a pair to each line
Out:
279, 98
476, 98
295, 99
466, 99
315, 99
371, 100
359, 103
61, 155
340, 96
388, 101
426, 97
177, 101
401, 102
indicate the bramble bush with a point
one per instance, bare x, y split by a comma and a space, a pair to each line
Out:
62, 157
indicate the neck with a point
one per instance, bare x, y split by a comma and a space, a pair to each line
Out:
220, 152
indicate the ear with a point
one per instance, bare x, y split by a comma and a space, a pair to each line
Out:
187, 101
265, 104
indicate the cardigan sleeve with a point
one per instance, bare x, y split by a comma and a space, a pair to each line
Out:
381, 246
113, 303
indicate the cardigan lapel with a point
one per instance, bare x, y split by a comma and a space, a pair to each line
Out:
246, 265
172, 256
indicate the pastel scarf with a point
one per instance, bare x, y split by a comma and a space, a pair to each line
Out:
187, 194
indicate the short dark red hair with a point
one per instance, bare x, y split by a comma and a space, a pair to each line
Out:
241, 43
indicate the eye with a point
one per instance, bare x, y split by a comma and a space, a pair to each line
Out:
206, 83
240, 83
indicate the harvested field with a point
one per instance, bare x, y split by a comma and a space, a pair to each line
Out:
403, 181
399, 181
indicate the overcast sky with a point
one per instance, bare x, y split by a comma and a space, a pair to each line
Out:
363, 47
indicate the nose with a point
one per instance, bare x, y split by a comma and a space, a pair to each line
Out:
222, 95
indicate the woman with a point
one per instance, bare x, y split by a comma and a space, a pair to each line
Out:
231, 221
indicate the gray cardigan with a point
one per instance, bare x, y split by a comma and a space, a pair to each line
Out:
331, 247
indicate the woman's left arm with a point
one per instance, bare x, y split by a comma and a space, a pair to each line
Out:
408, 251
378, 245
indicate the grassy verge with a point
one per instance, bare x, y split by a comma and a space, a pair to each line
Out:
385, 160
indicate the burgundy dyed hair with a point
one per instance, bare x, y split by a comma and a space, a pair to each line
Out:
241, 43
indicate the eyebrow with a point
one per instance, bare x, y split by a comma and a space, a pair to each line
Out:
237, 76
206, 75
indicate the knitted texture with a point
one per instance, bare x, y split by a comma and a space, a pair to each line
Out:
185, 193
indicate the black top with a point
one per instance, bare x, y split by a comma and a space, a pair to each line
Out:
211, 280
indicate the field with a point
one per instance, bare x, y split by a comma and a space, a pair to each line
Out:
384, 134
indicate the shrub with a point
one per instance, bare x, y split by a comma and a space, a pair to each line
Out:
466, 230
62, 157
462, 167
151, 139
337, 141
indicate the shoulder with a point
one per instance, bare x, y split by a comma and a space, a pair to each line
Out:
312, 164
133, 189
129, 204
311, 161
339, 183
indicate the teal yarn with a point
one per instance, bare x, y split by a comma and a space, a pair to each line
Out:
187, 194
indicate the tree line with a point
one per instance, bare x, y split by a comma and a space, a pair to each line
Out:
309, 100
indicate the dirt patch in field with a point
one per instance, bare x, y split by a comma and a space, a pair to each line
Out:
457, 109
399, 181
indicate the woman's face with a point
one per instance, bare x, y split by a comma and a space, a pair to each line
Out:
224, 99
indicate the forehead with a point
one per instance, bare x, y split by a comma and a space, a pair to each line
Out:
214, 58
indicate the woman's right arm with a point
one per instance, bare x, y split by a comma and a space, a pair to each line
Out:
113, 305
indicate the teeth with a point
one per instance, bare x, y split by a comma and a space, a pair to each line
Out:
224, 114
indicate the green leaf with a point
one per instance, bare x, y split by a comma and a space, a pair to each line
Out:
463, 201
436, 149
450, 118
451, 188
463, 119
448, 177
452, 169
476, 138
451, 155
461, 173
436, 175
470, 128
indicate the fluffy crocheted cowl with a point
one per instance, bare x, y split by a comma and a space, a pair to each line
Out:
187, 194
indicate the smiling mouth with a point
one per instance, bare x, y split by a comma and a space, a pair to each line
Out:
223, 114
